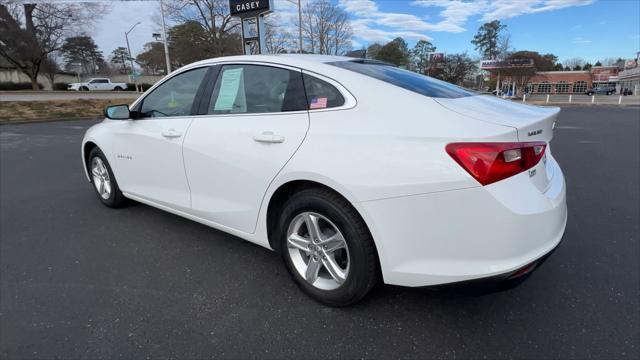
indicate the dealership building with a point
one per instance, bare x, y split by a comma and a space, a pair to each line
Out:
624, 76
573, 82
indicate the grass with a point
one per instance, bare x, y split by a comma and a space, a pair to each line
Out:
21, 111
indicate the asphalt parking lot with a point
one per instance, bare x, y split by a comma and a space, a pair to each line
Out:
79, 280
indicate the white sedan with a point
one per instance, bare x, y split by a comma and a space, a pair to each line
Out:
353, 170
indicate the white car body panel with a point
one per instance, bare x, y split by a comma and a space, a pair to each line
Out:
383, 151
149, 164
229, 171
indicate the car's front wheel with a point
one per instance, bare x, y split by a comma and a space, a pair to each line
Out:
327, 247
103, 180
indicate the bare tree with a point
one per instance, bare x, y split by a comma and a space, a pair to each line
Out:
277, 39
27, 45
213, 16
50, 67
504, 46
574, 63
609, 61
457, 68
326, 28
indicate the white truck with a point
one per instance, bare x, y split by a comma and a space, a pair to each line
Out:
97, 84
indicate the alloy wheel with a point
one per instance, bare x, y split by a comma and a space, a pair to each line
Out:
101, 179
318, 251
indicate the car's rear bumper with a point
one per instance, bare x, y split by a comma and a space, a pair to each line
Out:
482, 232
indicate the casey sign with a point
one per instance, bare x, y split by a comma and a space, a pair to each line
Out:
243, 8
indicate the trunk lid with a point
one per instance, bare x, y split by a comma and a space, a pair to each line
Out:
532, 123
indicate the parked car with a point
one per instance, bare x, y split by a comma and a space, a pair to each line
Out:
97, 84
602, 90
353, 170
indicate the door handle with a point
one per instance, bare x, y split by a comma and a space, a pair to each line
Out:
171, 133
269, 137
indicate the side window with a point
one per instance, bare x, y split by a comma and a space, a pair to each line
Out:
175, 96
321, 94
246, 89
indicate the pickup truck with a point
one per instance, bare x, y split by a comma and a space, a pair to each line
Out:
97, 84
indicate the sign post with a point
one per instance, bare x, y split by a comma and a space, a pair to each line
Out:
251, 14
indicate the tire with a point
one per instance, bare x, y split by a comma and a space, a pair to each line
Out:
84, 88
114, 199
358, 252
608, 93
117, 88
590, 93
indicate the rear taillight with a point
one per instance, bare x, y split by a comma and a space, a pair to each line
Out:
491, 162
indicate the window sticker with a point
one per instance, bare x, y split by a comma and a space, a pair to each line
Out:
318, 103
172, 102
231, 86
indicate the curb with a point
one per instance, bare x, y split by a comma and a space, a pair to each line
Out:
542, 103
35, 121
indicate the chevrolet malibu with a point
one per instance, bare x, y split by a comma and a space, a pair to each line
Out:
354, 171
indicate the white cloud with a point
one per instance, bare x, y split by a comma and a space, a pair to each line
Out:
456, 12
109, 30
372, 24
505, 9
580, 40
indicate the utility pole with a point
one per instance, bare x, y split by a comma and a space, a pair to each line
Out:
164, 37
299, 23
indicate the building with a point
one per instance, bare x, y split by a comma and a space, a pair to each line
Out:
560, 82
578, 82
629, 78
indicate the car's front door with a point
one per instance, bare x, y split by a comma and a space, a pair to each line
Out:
149, 148
256, 119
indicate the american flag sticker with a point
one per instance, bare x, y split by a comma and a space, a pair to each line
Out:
318, 103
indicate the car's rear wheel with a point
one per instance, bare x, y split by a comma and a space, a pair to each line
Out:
327, 247
103, 180
117, 88
608, 93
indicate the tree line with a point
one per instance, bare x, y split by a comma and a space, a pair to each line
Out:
49, 37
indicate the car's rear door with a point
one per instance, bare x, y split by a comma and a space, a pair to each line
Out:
251, 125
149, 160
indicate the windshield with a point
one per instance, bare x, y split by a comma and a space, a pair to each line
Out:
405, 79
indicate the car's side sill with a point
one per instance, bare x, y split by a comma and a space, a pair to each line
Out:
240, 234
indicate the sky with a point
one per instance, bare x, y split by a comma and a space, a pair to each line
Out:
588, 29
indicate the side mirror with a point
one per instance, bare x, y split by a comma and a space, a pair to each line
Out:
117, 112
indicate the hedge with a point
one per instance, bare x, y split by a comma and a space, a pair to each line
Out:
60, 86
132, 86
17, 86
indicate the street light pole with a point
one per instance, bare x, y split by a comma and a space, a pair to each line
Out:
126, 36
164, 35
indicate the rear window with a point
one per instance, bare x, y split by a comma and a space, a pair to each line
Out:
405, 79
